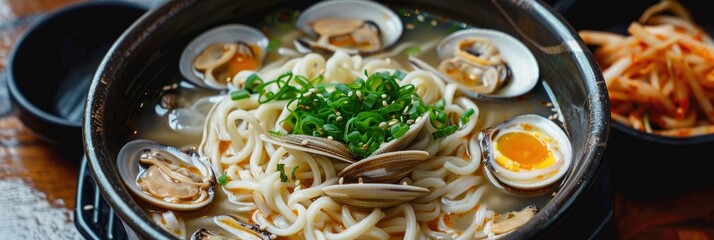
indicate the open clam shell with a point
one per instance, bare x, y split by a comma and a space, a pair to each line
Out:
374, 195
404, 141
384, 168
520, 68
241, 229
524, 67
526, 155
317, 145
164, 176
217, 47
388, 25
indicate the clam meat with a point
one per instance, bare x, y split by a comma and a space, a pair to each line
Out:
165, 176
484, 64
525, 155
477, 65
352, 26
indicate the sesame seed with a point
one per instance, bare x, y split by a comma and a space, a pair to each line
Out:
384, 103
349, 94
330, 137
273, 236
410, 122
405, 183
304, 142
341, 180
384, 95
360, 180
382, 124
359, 94
88, 207
339, 118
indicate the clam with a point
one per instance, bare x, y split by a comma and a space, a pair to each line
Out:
339, 150
525, 155
353, 26
170, 222
506, 223
214, 57
204, 234
241, 229
374, 195
384, 168
484, 63
164, 176
316, 145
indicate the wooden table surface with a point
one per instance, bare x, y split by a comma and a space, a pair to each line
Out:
37, 184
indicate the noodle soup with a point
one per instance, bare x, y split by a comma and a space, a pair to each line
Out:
279, 190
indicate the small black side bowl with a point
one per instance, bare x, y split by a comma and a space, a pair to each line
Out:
52, 65
641, 163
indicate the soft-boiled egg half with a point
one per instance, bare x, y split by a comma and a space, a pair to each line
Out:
526, 154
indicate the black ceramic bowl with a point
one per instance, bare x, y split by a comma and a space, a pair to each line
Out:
147, 55
53, 63
642, 163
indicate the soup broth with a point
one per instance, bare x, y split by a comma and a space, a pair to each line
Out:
176, 114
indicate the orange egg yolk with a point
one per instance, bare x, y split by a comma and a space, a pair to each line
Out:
522, 151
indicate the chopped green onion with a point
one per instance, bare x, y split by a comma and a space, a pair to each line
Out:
252, 83
440, 104
275, 133
281, 169
239, 94
399, 75
363, 114
398, 130
444, 132
467, 115
223, 179
292, 175
273, 45
411, 51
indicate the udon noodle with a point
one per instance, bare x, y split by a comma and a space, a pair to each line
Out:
231, 142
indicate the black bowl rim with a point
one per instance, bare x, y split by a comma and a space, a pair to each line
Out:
40, 24
598, 117
661, 139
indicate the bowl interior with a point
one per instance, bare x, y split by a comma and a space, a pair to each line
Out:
52, 65
147, 58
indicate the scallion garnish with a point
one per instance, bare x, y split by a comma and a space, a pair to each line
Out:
223, 179
292, 175
239, 94
363, 114
411, 51
467, 115
281, 169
